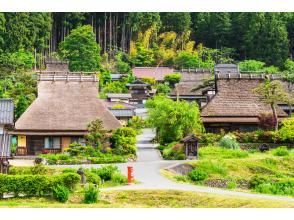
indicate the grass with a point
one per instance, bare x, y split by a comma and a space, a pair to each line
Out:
149, 199
226, 169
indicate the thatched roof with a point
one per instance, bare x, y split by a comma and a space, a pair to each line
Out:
65, 106
190, 81
6, 111
236, 102
158, 73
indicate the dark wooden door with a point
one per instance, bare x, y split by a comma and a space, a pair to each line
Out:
35, 144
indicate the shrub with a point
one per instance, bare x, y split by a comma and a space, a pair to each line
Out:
124, 141
92, 177
174, 151
36, 185
231, 185
281, 187
257, 180
69, 170
229, 141
286, 132
91, 194
136, 123
34, 170
197, 175
162, 89
208, 138
105, 172
173, 78
117, 177
60, 193
281, 151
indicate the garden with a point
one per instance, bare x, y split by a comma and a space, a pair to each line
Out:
101, 147
58, 184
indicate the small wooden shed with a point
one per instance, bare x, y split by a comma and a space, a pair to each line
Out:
191, 146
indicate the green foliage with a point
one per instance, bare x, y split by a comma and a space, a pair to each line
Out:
38, 169
208, 138
178, 22
97, 134
61, 193
219, 152
81, 49
124, 141
212, 167
173, 78
186, 59
36, 185
251, 66
136, 123
286, 132
91, 194
16, 61
282, 187
229, 141
257, 180
231, 185
197, 175
162, 89
149, 80
281, 151
115, 87
173, 120
92, 177
105, 172
174, 151
118, 178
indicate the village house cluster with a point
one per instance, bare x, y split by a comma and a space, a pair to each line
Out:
67, 102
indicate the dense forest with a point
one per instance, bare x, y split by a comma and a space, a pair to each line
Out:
113, 42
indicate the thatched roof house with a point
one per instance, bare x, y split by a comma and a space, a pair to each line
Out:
186, 89
64, 107
235, 106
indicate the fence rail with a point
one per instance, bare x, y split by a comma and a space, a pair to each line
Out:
59, 76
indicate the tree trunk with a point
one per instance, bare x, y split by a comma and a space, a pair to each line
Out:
275, 117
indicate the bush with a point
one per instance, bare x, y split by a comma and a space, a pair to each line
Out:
229, 141
124, 141
60, 193
92, 177
281, 187
281, 151
117, 177
174, 151
208, 138
34, 170
286, 132
173, 78
257, 180
136, 123
197, 175
231, 185
91, 194
36, 185
162, 89
105, 172
69, 170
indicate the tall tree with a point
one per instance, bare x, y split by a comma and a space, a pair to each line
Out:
81, 49
178, 22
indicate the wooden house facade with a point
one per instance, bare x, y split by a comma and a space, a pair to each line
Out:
66, 103
139, 91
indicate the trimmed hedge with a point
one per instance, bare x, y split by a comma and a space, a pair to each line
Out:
36, 185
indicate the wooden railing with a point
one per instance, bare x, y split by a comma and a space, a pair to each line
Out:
21, 151
51, 151
63, 76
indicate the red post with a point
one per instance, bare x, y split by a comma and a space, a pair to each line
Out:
130, 175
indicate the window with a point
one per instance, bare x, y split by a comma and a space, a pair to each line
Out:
79, 140
52, 143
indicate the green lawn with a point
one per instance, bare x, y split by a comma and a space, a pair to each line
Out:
149, 199
234, 169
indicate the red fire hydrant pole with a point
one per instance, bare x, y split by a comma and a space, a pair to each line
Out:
130, 175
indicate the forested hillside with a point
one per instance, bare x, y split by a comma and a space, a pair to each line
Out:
116, 42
